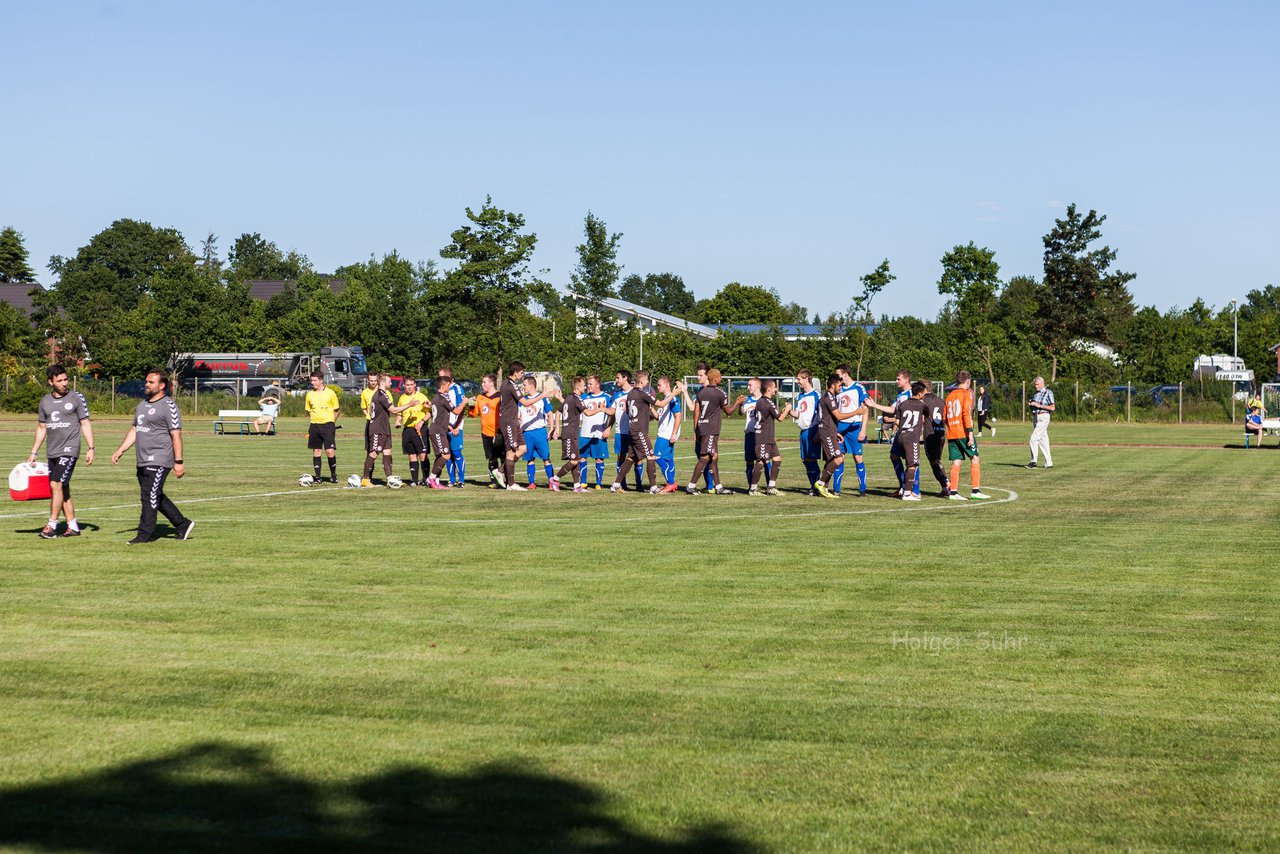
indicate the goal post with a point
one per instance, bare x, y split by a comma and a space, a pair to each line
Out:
1270, 397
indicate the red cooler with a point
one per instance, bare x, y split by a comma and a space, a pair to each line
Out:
29, 482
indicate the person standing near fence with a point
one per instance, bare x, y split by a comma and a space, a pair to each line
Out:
1041, 406
62, 416
157, 434
983, 407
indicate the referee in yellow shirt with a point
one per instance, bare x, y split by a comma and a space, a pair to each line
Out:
322, 405
411, 412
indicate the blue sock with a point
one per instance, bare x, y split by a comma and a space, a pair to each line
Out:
599, 472
837, 478
461, 466
811, 469
706, 475
915, 487
862, 477
900, 470
532, 470
639, 484
551, 472
668, 470
582, 473
450, 467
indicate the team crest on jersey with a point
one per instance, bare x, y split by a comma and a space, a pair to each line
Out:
66, 406
151, 412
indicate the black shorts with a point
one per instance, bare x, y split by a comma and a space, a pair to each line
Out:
60, 469
832, 446
706, 446
766, 451
411, 442
320, 437
439, 442
494, 449
367, 433
379, 442
569, 448
512, 436
640, 448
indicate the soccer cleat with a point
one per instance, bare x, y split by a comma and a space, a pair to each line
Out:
911, 496
333, 479
365, 483
514, 488
1049, 466
435, 483
532, 486
184, 533
655, 489
577, 488
823, 491
49, 533
773, 490
1031, 464
669, 488
721, 489
692, 490
459, 485
754, 490
812, 492
500, 478
598, 487
71, 532
617, 487
955, 496
946, 493
136, 541
978, 496
554, 484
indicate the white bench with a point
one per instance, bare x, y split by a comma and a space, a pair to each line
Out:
243, 420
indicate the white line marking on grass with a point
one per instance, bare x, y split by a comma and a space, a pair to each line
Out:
1011, 496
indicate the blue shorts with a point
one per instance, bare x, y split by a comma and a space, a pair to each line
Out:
621, 444
537, 446
455, 444
810, 444
663, 449
594, 448
849, 438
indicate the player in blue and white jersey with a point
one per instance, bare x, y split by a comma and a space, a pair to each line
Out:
806, 415
533, 423
853, 430
592, 444
458, 401
669, 421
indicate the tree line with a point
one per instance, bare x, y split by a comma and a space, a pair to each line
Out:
135, 293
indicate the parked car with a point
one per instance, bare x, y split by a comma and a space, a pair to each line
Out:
1162, 394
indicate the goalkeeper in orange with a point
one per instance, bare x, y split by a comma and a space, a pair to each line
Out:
960, 443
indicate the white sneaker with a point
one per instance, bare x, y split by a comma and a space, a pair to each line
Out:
1049, 466
978, 496
955, 496
617, 487
514, 488
910, 496
655, 489
501, 478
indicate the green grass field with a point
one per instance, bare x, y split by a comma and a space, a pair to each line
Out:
1088, 661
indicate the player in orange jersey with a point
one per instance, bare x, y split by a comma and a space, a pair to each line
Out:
960, 443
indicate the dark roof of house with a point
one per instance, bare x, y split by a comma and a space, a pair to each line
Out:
18, 295
265, 289
791, 330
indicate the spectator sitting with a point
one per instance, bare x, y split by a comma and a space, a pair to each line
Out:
270, 406
1253, 425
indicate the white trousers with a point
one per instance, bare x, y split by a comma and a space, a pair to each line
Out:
1040, 439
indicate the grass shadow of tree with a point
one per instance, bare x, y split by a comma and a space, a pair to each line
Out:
221, 797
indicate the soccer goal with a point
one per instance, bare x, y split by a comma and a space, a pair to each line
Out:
1270, 396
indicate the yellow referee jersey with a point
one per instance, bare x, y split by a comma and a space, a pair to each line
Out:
323, 406
415, 415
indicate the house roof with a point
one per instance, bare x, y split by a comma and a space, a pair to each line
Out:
657, 318
18, 295
265, 289
792, 330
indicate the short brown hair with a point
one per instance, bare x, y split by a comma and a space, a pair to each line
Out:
962, 377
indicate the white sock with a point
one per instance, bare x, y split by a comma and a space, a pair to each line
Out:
73, 525
53, 523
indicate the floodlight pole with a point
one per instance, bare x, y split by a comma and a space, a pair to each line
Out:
1235, 351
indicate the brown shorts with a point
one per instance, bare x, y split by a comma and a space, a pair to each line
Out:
439, 443
766, 450
569, 448
379, 442
831, 447
640, 449
706, 446
512, 436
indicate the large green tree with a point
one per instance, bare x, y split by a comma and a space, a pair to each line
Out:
595, 277
665, 292
1081, 297
971, 279
492, 277
738, 303
14, 266
254, 257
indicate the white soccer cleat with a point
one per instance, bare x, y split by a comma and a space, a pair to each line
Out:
501, 478
514, 488
979, 496
910, 496
617, 487
955, 496
655, 489
755, 490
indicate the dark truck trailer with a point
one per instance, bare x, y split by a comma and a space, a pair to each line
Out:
252, 373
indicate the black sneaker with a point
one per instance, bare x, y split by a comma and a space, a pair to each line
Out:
136, 540
333, 479
1031, 464
184, 533
49, 533
71, 532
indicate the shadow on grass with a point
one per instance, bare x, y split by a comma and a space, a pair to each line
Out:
219, 797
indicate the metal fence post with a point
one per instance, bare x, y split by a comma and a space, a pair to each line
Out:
1179, 401
1024, 401
113, 395
1128, 402
196, 406
1077, 418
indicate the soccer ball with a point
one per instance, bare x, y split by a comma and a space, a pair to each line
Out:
395, 482
354, 481
306, 480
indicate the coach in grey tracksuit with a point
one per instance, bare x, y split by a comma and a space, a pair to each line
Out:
156, 433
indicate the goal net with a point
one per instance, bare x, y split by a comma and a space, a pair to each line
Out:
1270, 396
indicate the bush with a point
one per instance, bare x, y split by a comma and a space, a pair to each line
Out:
23, 397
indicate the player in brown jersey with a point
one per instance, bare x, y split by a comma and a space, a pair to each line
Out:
709, 409
438, 430
639, 402
829, 436
912, 419
766, 450
380, 405
935, 435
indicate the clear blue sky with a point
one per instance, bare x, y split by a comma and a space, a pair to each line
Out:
787, 146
